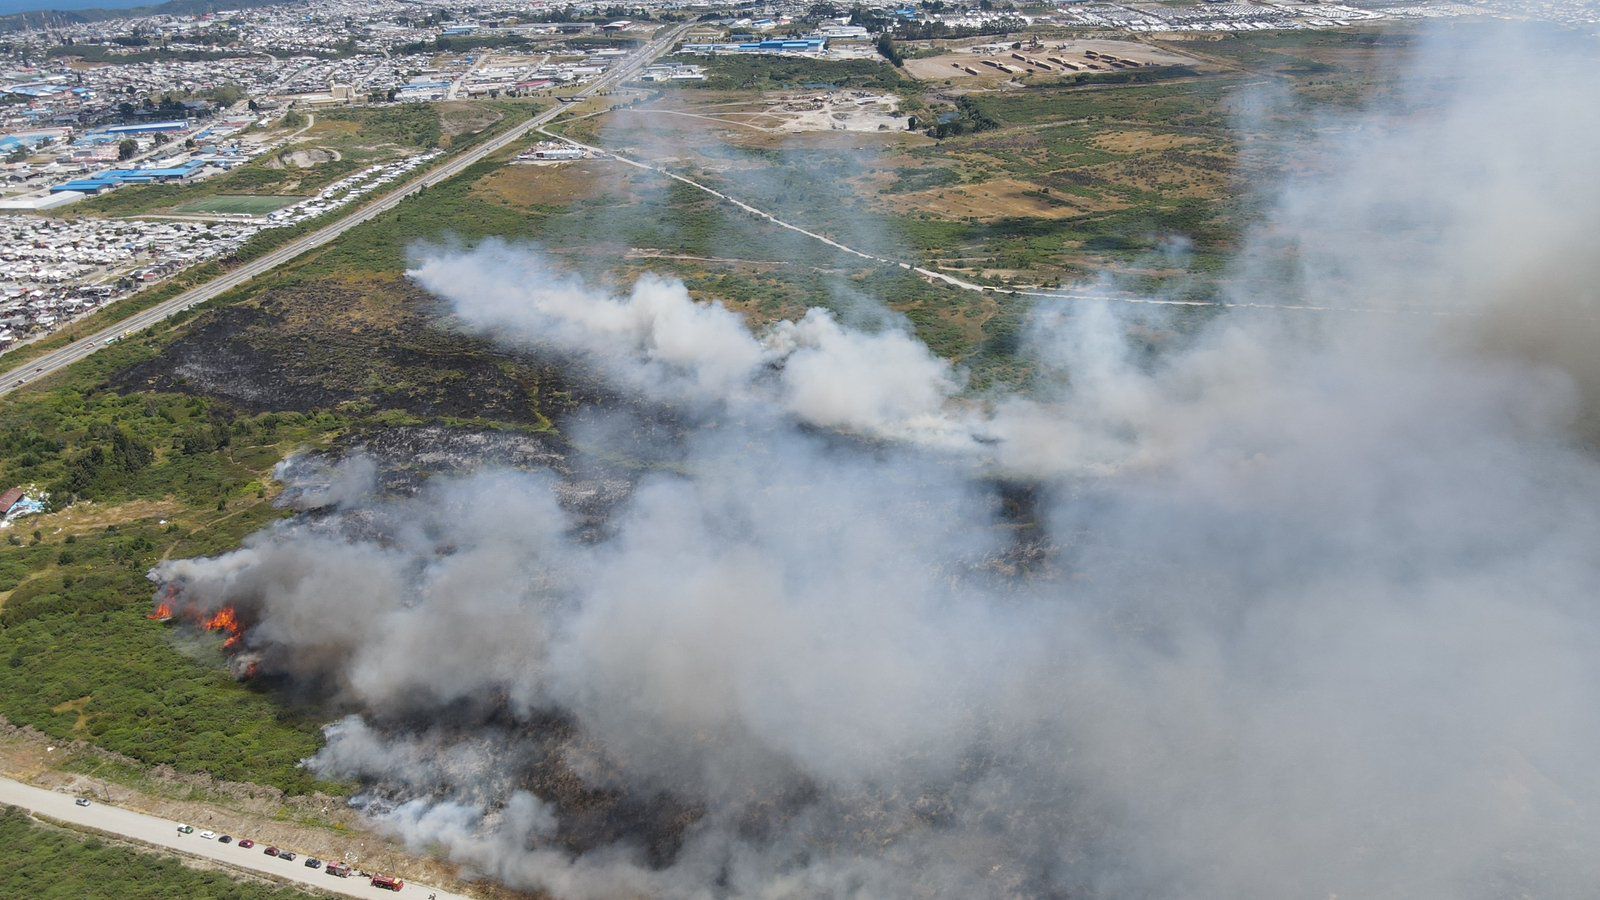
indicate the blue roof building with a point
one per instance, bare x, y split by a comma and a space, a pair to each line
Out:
145, 128
118, 177
85, 185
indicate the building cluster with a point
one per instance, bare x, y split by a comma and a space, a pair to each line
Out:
54, 167
672, 72
349, 189
55, 270
551, 152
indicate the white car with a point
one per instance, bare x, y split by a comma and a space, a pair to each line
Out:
208, 835
82, 801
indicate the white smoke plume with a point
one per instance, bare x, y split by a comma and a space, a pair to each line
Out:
660, 341
1306, 607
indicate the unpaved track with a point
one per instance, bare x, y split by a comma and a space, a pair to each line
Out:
945, 278
163, 834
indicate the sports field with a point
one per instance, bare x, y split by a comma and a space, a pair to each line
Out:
232, 204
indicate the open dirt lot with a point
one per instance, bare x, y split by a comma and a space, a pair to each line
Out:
303, 159
794, 112
1047, 59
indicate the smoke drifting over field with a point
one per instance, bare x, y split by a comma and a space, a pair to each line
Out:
1310, 609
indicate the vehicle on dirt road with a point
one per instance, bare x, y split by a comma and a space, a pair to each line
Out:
209, 835
384, 881
339, 869
287, 855
313, 863
225, 839
246, 844
271, 851
186, 829
82, 801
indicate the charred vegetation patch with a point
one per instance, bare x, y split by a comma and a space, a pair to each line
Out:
325, 344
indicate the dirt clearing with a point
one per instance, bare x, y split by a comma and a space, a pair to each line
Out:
999, 62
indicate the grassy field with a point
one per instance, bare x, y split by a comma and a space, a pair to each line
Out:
154, 475
45, 862
168, 438
765, 73
237, 204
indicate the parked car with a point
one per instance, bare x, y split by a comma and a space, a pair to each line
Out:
82, 801
209, 835
225, 839
186, 829
247, 843
271, 851
287, 855
313, 863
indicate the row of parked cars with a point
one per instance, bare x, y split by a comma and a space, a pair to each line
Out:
332, 868
337, 869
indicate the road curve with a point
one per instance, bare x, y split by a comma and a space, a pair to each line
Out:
56, 360
163, 834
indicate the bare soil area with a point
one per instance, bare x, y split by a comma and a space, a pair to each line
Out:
1000, 62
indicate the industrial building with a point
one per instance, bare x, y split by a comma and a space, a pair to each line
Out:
788, 45
118, 132
114, 178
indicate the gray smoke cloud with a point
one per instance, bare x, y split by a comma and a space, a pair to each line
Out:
661, 342
1305, 607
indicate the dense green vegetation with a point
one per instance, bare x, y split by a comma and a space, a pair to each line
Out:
408, 124
767, 73
44, 862
1193, 104
78, 657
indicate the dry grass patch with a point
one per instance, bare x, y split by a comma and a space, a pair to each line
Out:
86, 515
77, 707
527, 187
1138, 141
1003, 198
1167, 177
466, 118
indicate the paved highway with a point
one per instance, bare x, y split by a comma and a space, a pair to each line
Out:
163, 833
71, 353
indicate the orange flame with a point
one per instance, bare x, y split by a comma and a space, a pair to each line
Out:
227, 620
